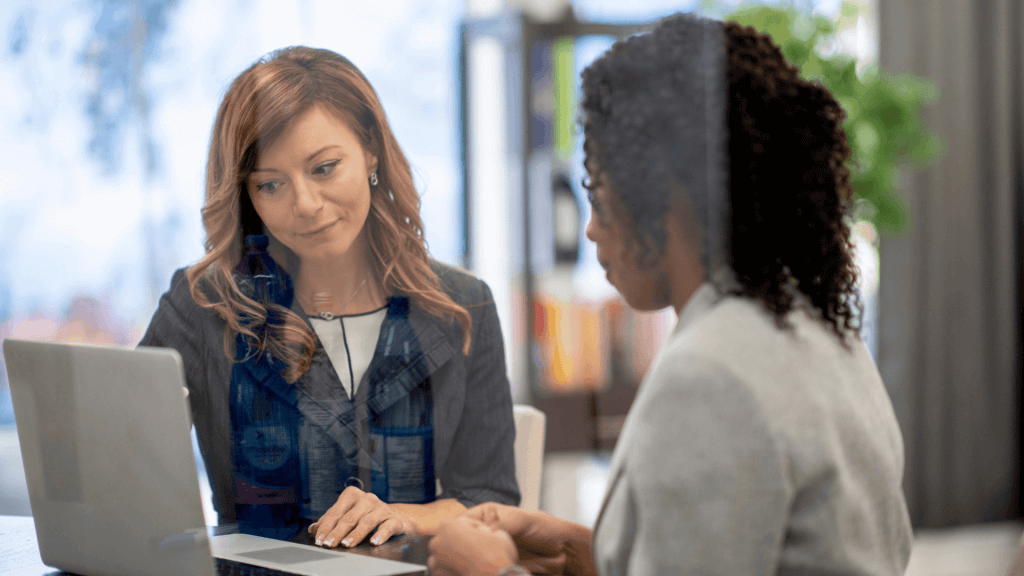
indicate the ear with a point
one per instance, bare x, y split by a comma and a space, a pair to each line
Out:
371, 163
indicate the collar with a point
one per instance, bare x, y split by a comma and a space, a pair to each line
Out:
709, 294
429, 331
411, 346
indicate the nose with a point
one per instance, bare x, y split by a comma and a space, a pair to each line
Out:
307, 201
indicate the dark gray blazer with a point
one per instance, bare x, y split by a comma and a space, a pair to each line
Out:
474, 429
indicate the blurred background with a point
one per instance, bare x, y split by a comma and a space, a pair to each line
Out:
107, 109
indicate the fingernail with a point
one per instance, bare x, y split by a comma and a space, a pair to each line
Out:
375, 540
329, 543
346, 543
319, 540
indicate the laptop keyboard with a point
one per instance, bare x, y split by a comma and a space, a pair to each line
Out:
232, 568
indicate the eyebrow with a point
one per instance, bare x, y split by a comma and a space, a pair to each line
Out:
311, 156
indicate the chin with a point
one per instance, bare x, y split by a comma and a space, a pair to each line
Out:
646, 298
647, 304
317, 253
330, 246
333, 251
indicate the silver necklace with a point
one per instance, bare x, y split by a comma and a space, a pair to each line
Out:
321, 299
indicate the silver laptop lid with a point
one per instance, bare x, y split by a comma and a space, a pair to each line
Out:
112, 480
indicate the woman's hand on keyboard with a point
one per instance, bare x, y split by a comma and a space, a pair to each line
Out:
354, 516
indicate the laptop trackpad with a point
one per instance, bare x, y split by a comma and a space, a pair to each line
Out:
303, 559
289, 555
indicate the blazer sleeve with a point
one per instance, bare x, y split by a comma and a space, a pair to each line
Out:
177, 324
481, 465
704, 489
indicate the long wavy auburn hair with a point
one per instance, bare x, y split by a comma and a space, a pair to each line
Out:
257, 108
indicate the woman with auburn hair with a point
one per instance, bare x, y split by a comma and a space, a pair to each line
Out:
341, 381
762, 439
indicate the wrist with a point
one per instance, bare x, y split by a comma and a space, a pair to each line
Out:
425, 518
412, 526
577, 550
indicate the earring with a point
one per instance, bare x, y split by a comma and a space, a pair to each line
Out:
373, 179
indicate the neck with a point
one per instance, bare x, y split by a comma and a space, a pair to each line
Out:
686, 272
339, 285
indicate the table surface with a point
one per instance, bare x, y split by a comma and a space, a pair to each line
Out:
19, 552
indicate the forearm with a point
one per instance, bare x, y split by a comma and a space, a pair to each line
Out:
577, 544
426, 517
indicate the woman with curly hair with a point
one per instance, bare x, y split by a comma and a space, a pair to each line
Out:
329, 360
762, 440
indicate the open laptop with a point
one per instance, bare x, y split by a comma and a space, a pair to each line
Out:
105, 438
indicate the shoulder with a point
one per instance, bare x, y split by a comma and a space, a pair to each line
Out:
723, 425
462, 286
179, 318
740, 333
179, 302
684, 381
736, 354
180, 295
702, 395
700, 369
806, 385
180, 292
728, 320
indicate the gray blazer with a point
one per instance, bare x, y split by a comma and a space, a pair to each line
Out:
474, 428
756, 450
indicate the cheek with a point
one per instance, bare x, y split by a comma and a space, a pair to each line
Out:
637, 290
361, 206
642, 287
267, 214
619, 253
355, 209
651, 289
275, 219
352, 194
365, 199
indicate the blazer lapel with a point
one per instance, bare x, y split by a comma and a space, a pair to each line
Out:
448, 393
411, 348
615, 474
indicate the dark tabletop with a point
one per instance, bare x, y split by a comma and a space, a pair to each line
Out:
19, 552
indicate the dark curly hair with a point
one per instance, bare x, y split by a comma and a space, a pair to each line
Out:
790, 195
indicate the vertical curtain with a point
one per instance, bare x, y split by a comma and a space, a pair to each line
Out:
949, 304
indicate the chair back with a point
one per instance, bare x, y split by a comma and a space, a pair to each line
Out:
529, 451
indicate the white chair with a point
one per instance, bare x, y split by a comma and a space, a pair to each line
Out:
529, 449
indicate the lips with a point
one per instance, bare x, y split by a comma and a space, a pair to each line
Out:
317, 231
604, 265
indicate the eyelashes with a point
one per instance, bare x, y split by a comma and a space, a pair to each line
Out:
326, 169
268, 187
